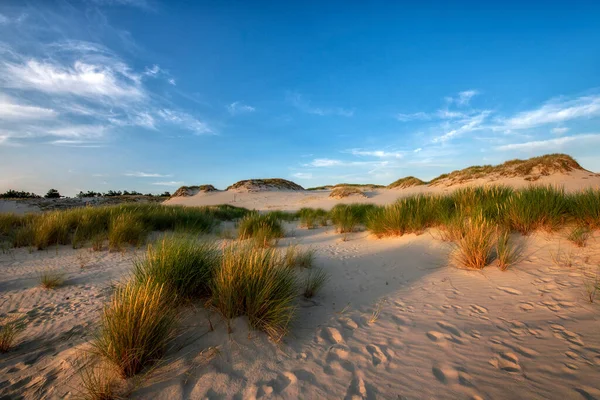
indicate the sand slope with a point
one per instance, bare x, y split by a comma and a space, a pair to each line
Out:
395, 321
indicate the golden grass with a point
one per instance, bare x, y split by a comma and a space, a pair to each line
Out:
474, 248
51, 279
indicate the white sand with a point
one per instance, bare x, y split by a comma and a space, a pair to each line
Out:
441, 332
294, 200
16, 207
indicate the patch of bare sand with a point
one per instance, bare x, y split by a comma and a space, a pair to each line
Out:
394, 321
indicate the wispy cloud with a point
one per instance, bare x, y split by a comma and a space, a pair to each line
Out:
169, 183
303, 175
185, 121
553, 144
13, 111
466, 125
146, 175
298, 101
237, 107
422, 116
556, 111
77, 143
328, 162
463, 98
560, 130
376, 153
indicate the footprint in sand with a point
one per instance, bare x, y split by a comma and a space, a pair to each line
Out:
436, 336
508, 362
478, 309
357, 389
449, 327
377, 356
526, 306
509, 290
332, 335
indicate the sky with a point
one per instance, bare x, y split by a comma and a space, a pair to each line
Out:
151, 95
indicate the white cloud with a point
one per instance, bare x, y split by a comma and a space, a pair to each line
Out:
556, 112
146, 175
79, 131
172, 81
417, 150
169, 183
303, 175
377, 153
4, 19
153, 71
560, 130
10, 110
77, 143
469, 124
324, 162
185, 121
463, 98
552, 144
95, 81
415, 116
237, 107
298, 101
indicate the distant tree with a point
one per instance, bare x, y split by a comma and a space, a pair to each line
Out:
166, 194
52, 194
15, 194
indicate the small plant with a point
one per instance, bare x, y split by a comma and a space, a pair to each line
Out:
98, 381
8, 333
562, 259
591, 283
136, 326
507, 252
295, 257
474, 249
98, 242
376, 312
314, 281
579, 235
51, 279
264, 229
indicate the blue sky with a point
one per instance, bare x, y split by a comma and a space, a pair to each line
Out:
151, 95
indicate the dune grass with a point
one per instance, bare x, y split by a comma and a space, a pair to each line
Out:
51, 279
585, 208
348, 217
264, 229
579, 235
310, 218
183, 265
98, 381
255, 282
346, 191
507, 252
296, 257
313, 282
474, 248
538, 207
9, 331
136, 326
121, 225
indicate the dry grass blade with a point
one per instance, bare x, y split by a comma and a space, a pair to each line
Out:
314, 281
507, 252
579, 235
98, 381
9, 330
51, 279
474, 249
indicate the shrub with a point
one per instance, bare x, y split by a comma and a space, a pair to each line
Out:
536, 207
184, 266
51, 279
474, 248
52, 194
125, 229
255, 282
264, 229
314, 281
136, 326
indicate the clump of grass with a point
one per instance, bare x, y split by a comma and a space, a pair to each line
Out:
347, 217
506, 251
284, 215
264, 229
591, 284
136, 326
125, 229
537, 207
295, 257
52, 228
23, 236
579, 235
407, 215
9, 330
585, 208
314, 281
183, 265
474, 249
310, 218
98, 242
346, 191
255, 282
98, 382
51, 279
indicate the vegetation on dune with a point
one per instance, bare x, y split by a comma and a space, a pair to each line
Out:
121, 225
51, 279
346, 191
348, 217
310, 218
16, 194
365, 186
530, 169
260, 184
264, 229
406, 182
313, 282
136, 326
9, 329
184, 191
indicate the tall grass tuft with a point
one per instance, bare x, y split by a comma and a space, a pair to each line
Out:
507, 252
407, 215
264, 229
255, 282
51, 279
296, 257
347, 217
585, 208
474, 248
537, 207
9, 330
125, 229
313, 282
136, 326
183, 265
310, 218
579, 235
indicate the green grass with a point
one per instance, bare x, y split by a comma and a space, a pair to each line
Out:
579, 235
507, 252
51, 279
9, 330
264, 229
537, 207
122, 224
256, 282
136, 326
407, 215
184, 265
313, 282
348, 217
310, 218
296, 257
474, 248
585, 208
